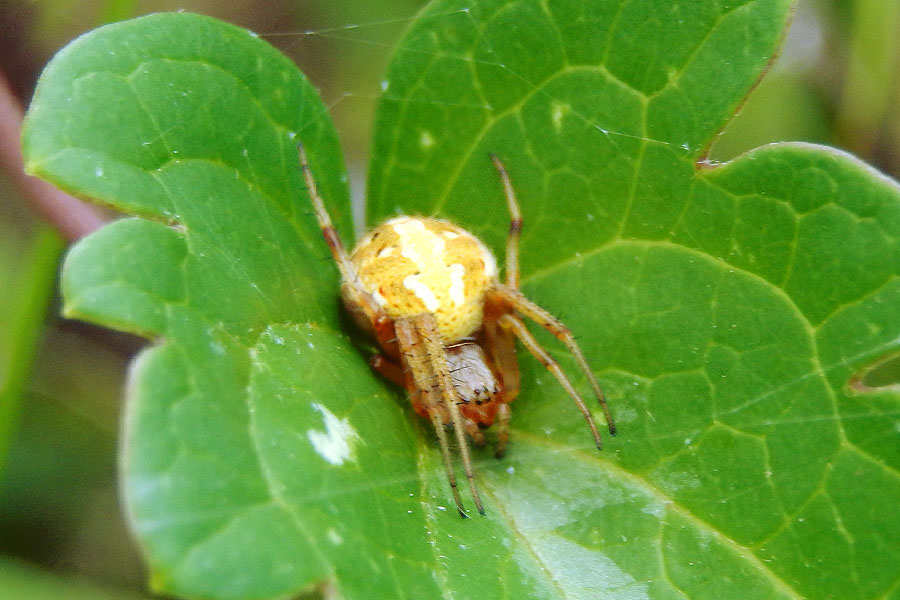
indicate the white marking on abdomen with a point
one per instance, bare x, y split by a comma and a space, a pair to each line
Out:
422, 247
422, 292
490, 263
457, 285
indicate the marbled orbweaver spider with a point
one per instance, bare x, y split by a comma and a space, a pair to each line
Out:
428, 291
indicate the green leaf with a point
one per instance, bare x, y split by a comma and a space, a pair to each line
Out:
192, 124
724, 309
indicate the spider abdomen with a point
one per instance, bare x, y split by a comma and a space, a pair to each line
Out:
413, 265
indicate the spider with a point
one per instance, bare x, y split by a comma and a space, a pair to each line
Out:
428, 291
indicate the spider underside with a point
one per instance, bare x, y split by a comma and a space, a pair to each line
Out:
428, 292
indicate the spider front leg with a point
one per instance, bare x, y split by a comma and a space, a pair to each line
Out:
515, 225
509, 296
422, 351
356, 298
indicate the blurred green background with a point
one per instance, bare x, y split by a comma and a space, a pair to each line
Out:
61, 532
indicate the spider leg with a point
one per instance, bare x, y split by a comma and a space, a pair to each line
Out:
515, 325
388, 369
529, 309
434, 348
412, 349
471, 428
349, 276
500, 346
394, 373
422, 349
503, 415
515, 226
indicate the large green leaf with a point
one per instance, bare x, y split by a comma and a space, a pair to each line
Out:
724, 309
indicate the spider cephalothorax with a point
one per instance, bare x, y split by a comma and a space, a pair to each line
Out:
429, 293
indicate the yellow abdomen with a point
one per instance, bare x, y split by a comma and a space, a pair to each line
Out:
413, 265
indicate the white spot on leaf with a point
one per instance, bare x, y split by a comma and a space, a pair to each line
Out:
337, 443
559, 111
334, 537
